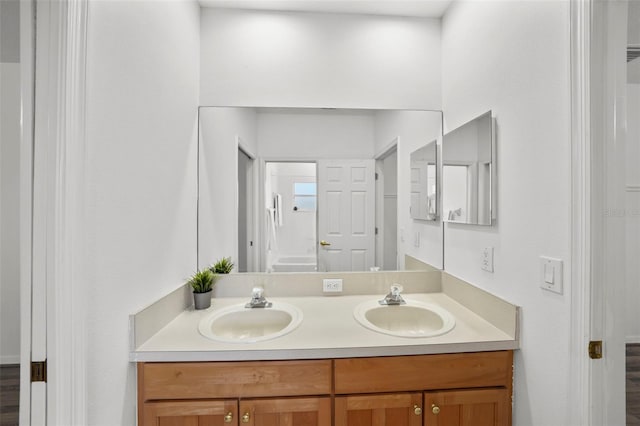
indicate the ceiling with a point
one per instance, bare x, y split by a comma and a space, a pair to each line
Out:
413, 8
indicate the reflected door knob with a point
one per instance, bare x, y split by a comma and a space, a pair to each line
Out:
245, 418
229, 417
417, 410
435, 409
323, 243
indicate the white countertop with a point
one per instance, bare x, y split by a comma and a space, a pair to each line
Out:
328, 330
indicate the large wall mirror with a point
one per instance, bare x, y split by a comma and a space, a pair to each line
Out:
313, 189
468, 171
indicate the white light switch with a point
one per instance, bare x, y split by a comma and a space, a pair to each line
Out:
551, 274
548, 272
487, 259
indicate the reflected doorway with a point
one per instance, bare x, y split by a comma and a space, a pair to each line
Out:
387, 210
291, 211
245, 261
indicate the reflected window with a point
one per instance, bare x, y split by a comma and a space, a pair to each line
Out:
305, 196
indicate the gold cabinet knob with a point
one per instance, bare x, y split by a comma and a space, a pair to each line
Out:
323, 243
417, 410
435, 409
245, 418
229, 417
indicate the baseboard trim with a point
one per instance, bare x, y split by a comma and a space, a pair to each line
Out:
9, 359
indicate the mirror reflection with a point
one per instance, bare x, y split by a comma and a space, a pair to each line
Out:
311, 189
292, 200
468, 172
423, 182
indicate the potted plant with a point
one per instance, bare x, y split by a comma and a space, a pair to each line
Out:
202, 284
222, 266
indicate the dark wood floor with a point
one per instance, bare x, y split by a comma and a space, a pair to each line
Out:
9, 394
633, 384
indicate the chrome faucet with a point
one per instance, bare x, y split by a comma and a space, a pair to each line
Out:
257, 299
394, 297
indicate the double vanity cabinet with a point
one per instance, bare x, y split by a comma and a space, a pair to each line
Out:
330, 370
441, 389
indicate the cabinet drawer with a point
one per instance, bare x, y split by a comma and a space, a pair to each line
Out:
194, 380
410, 373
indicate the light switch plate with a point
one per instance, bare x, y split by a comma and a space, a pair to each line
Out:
487, 259
551, 274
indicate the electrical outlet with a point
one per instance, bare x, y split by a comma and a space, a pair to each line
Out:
332, 285
487, 259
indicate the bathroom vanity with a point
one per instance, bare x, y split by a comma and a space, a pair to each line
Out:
330, 370
442, 389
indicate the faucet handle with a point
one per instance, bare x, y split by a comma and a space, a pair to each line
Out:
396, 289
256, 292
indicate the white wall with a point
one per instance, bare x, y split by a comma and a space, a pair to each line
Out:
513, 58
9, 213
633, 38
220, 129
142, 83
315, 134
258, 58
413, 129
632, 295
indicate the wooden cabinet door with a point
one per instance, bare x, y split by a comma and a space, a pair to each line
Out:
479, 407
313, 411
402, 409
190, 413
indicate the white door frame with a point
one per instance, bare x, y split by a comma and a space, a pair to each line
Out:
27, 85
579, 402
52, 286
597, 386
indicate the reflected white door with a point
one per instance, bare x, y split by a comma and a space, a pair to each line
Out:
346, 215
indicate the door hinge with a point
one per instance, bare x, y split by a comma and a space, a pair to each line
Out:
39, 371
376, 231
376, 176
595, 349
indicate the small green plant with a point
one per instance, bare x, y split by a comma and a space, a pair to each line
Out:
203, 281
222, 266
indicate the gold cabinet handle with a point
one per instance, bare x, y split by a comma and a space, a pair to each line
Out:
435, 409
323, 243
417, 410
229, 417
245, 418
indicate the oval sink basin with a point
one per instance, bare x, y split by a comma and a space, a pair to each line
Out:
414, 319
237, 324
